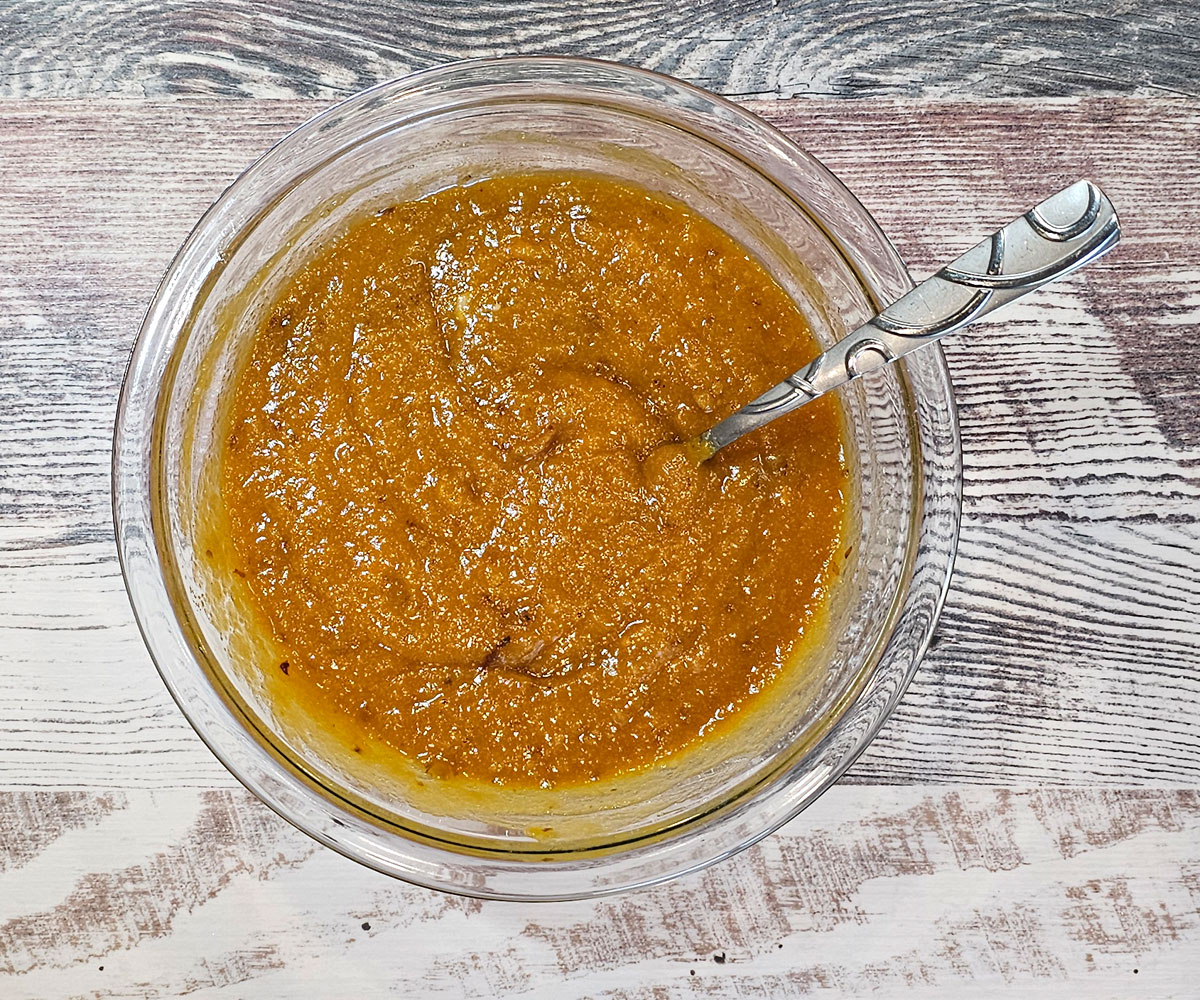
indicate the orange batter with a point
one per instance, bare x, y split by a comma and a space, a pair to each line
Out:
452, 488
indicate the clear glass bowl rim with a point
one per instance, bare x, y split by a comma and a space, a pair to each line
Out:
883, 276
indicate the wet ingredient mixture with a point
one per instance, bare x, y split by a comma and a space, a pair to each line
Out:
453, 489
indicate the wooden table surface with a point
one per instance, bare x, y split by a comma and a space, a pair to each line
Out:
1027, 824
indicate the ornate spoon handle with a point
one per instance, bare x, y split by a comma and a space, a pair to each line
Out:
1063, 233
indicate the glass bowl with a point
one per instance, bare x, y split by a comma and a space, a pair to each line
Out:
409, 138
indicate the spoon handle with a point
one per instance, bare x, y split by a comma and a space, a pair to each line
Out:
1063, 233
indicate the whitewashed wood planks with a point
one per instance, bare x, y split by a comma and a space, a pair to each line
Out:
902, 891
784, 48
1070, 643
1069, 652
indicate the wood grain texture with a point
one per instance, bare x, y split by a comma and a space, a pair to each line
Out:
747, 48
903, 891
1068, 654
1070, 642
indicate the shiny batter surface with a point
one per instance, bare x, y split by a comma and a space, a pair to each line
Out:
453, 492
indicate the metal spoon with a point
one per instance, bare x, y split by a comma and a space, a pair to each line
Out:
1062, 234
